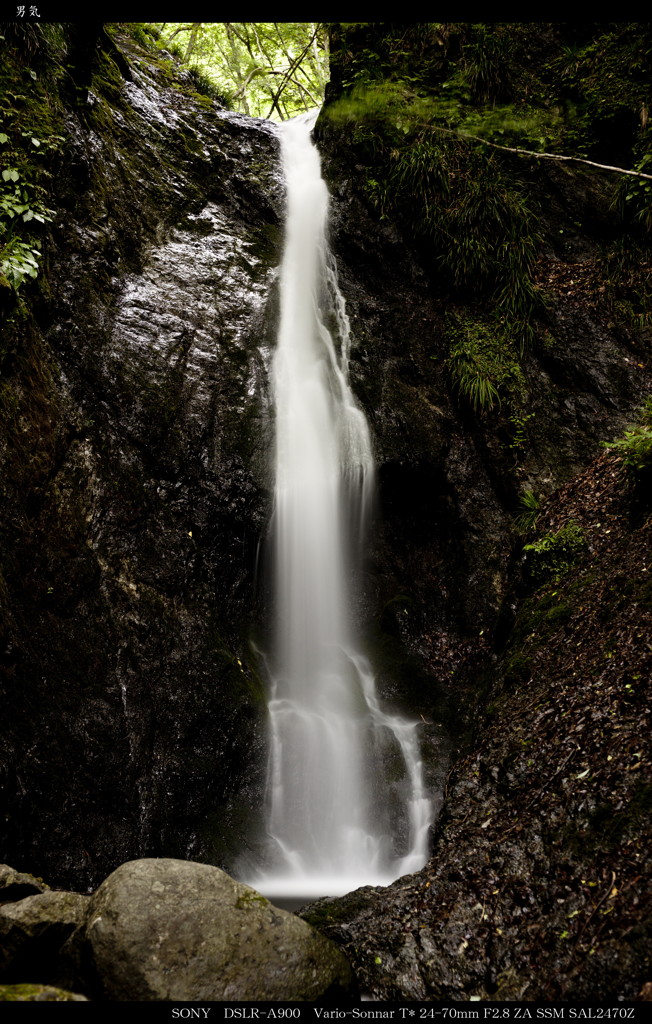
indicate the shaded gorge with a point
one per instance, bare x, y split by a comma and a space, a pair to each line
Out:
143, 518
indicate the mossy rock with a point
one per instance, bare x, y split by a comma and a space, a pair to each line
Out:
217, 939
37, 994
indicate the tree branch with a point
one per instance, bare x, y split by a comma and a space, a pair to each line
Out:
243, 85
288, 74
539, 156
182, 28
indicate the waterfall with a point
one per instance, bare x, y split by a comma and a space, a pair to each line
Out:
346, 802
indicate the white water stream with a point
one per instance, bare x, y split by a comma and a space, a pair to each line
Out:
346, 802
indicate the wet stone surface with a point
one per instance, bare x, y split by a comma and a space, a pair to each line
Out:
136, 486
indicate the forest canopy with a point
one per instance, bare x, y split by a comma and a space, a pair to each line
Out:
264, 69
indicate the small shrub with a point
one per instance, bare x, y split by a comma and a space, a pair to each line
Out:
634, 448
552, 557
19, 260
636, 197
625, 269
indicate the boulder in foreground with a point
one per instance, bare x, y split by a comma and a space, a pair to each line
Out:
163, 929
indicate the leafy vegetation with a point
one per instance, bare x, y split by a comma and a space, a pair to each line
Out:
274, 70
417, 101
530, 509
554, 555
472, 219
634, 448
425, 113
581, 89
626, 272
636, 195
19, 257
482, 361
30, 133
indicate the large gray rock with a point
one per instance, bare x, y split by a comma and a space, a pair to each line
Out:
32, 932
172, 929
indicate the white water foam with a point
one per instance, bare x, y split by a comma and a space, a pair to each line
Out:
346, 800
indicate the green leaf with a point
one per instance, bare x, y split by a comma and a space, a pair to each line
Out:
3, 137
35, 142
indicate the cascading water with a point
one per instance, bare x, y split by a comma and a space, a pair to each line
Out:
346, 799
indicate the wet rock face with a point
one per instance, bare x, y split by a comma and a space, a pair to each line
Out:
136, 488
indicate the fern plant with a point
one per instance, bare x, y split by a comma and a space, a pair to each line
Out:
553, 556
634, 448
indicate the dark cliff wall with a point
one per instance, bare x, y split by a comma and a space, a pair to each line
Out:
466, 267
539, 882
572, 365
135, 432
